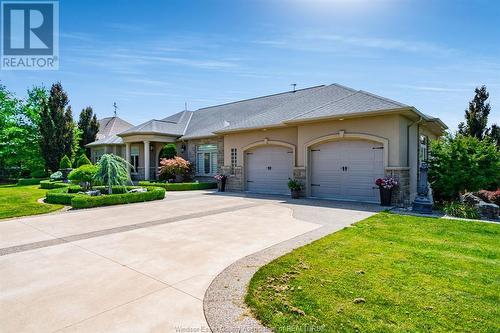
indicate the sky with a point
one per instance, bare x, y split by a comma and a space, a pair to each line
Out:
152, 57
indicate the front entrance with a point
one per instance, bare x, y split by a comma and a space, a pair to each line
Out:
268, 169
346, 170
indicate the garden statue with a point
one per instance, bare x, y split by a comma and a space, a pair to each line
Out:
422, 204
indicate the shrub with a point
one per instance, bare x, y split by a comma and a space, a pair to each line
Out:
29, 181
112, 170
65, 163
85, 201
49, 185
39, 173
82, 160
181, 186
490, 196
168, 151
294, 184
56, 176
174, 167
461, 210
84, 174
462, 164
59, 196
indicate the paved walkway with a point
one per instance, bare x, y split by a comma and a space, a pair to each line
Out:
141, 267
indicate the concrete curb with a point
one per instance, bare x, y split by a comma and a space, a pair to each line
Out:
224, 306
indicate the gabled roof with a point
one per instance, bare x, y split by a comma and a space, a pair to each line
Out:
174, 125
108, 128
309, 104
208, 120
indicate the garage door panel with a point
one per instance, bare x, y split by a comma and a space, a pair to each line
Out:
363, 161
268, 169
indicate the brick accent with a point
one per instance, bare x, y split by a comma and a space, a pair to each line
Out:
401, 194
191, 145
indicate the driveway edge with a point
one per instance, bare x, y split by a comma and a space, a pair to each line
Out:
224, 301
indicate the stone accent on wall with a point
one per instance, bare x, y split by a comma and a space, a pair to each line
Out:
401, 194
234, 179
191, 150
299, 173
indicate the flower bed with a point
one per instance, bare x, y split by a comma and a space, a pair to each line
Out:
181, 186
29, 181
69, 196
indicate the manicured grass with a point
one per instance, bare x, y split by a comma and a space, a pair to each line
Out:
22, 200
388, 273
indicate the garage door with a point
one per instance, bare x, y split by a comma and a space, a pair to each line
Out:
346, 170
268, 169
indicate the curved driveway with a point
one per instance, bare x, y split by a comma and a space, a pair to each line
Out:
140, 267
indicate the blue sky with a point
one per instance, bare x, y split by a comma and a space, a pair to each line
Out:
150, 57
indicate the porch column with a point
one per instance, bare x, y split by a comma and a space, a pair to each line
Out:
146, 160
127, 155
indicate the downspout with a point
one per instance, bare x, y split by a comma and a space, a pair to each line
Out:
408, 139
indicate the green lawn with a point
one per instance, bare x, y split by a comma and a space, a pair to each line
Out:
388, 273
22, 200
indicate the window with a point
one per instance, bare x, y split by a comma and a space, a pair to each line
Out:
234, 159
423, 150
206, 160
134, 158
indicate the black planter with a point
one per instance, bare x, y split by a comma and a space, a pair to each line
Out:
221, 185
385, 196
295, 194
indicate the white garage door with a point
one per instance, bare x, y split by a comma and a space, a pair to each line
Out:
268, 169
346, 170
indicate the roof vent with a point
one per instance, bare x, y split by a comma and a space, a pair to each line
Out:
226, 123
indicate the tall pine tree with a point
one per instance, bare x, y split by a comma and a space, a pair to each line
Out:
56, 127
476, 116
89, 126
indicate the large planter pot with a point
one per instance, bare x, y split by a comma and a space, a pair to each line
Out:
295, 194
65, 173
385, 196
221, 185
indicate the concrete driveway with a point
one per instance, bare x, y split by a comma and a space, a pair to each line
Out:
140, 267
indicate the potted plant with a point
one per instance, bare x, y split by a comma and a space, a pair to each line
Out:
295, 187
385, 186
221, 182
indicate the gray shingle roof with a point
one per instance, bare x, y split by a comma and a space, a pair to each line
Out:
274, 110
276, 116
208, 120
174, 125
108, 128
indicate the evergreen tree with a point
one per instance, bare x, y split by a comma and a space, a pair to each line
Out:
88, 126
56, 127
476, 116
494, 133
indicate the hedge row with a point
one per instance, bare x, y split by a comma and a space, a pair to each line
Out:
69, 196
85, 201
181, 186
49, 185
29, 181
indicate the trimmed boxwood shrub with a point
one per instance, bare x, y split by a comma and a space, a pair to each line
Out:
49, 185
85, 201
29, 181
181, 186
59, 196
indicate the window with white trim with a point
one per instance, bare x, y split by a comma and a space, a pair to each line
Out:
206, 160
234, 159
134, 159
